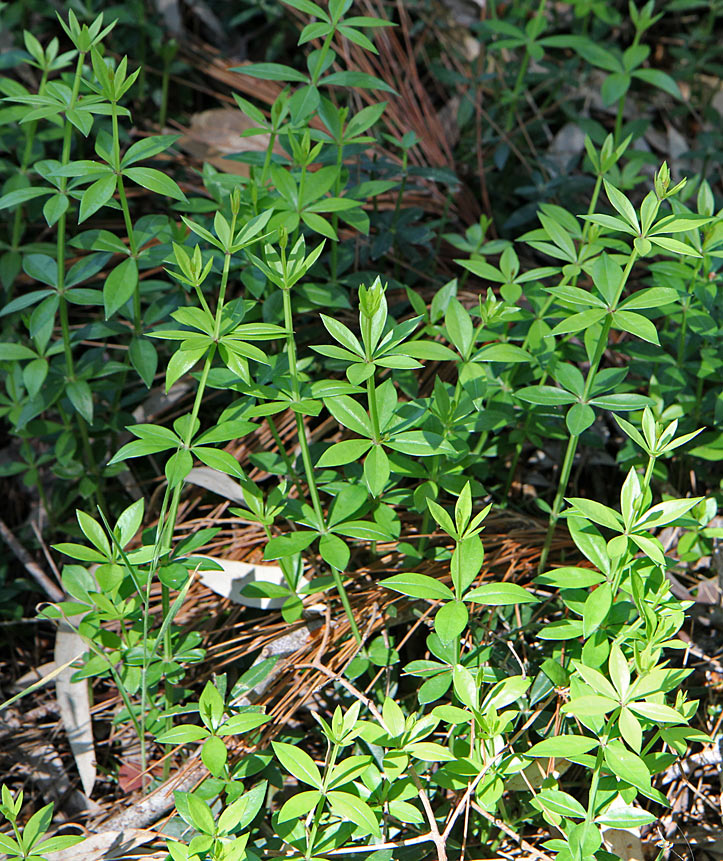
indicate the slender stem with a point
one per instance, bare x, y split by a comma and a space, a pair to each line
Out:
284, 454
521, 77
546, 306
306, 455
684, 322
126, 217
594, 784
373, 409
322, 55
334, 262
319, 809
267, 159
60, 286
574, 438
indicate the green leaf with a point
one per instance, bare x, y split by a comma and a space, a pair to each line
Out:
430, 751
214, 755
299, 805
243, 723
622, 205
636, 324
343, 335
596, 609
334, 551
348, 769
656, 712
344, 452
570, 577
675, 246
500, 594
419, 443
419, 586
429, 350
200, 814
147, 148
376, 470
119, 287
451, 620
627, 765
578, 322
561, 803
625, 817
660, 80
460, 330
349, 414
144, 359
442, 517
93, 531
298, 763
624, 401
96, 196
653, 297
271, 72
666, 512
597, 512
590, 706
13, 352
288, 545
54, 207
22, 195
393, 717
545, 395
501, 353
356, 79
182, 734
579, 418
563, 746
465, 687
154, 180
81, 397
349, 807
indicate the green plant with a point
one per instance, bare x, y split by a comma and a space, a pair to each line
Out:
233, 296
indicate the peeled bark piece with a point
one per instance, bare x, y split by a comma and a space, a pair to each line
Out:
74, 703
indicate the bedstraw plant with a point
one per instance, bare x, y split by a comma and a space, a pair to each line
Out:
235, 298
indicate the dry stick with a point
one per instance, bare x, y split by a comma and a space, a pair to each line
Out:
438, 840
31, 566
510, 832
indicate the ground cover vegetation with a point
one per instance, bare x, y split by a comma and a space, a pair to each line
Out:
435, 351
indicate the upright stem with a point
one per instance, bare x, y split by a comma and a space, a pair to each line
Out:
574, 438
334, 262
60, 246
546, 306
306, 457
126, 217
684, 322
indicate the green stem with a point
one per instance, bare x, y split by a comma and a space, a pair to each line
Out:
594, 784
574, 438
684, 321
373, 409
284, 454
137, 323
334, 261
60, 286
319, 809
267, 159
306, 453
545, 308
517, 89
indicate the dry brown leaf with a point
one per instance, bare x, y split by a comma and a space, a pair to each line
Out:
216, 133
